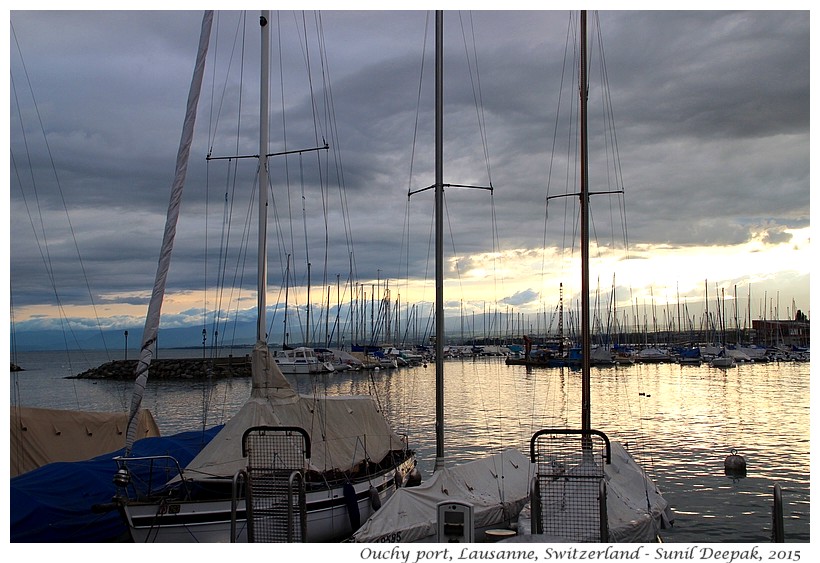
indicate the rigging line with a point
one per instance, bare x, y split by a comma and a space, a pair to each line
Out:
63, 317
413, 145
211, 133
222, 261
237, 283
608, 126
479, 105
570, 28
418, 106
615, 152
241, 257
476, 89
307, 248
334, 136
453, 242
216, 109
306, 54
228, 206
59, 189
316, 134
292, 249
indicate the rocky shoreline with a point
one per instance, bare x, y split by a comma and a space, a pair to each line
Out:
181, 368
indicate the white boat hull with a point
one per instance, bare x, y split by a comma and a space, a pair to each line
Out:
328, 516
301, 369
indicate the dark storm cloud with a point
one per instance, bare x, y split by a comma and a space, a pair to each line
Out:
711, 109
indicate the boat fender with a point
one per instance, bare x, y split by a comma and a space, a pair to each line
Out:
397, 479
734, 465
352, 504
375, 499
414, 478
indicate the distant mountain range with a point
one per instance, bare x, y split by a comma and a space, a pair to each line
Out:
240, 334
186, 337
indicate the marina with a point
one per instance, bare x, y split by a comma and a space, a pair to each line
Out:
688, 419
588, 425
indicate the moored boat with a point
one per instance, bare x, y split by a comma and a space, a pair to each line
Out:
300, 361
349, 459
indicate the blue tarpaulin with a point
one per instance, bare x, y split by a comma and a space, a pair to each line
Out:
54, 503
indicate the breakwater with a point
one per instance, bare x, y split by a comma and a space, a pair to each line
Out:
169, 368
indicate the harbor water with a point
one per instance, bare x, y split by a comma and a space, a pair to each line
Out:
679, 421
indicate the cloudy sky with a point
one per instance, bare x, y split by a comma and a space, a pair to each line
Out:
711, 117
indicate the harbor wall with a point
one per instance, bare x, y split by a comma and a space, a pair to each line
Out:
169, 368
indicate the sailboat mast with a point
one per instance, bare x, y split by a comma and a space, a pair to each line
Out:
439, 199
586, 422
262, 263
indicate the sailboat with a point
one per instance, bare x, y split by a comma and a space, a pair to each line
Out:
723, 359
474, 498
588, 488
340, 456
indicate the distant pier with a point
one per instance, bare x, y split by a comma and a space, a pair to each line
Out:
182, 368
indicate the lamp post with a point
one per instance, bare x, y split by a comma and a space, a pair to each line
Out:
126, 344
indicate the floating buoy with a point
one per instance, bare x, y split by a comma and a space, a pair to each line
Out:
734, 465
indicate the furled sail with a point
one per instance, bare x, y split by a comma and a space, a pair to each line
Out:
149, 334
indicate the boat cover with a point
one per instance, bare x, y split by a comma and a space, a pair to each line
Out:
497, 486
635, 508
42, 436
54, 502
344, 430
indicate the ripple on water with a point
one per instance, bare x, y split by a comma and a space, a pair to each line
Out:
681, 421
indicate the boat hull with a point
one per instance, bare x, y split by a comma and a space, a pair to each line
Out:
330, 515
301, 369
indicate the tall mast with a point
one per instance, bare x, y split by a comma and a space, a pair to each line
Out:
586, 422
262, 263
439, 198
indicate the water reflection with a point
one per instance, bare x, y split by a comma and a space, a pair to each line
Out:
680, 421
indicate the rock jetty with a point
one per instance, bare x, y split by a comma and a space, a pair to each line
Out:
184, 368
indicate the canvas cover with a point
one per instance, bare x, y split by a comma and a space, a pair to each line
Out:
343, 430
152, 318
635, 508
497, 486
54, 503
42, 436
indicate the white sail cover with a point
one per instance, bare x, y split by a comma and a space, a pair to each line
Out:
497, 486
636, 510
152, 317
344, 430
635, 507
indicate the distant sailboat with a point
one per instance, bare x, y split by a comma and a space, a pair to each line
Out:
723, 359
